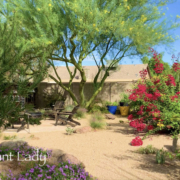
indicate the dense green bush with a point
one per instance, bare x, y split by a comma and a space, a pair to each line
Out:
97, 108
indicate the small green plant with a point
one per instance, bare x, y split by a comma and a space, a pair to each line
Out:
147, 150
97, 108
160, 156
10, 137
69, 130
97, 121
115, 104
121, 121
107, 103
125, 98
32, 136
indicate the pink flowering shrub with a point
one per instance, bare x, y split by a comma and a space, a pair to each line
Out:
157, 100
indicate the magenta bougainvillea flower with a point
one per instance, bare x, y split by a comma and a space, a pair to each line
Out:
137, 141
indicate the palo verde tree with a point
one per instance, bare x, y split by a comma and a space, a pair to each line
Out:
18, 71
72, 30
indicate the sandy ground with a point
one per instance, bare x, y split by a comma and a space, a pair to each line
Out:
107, 154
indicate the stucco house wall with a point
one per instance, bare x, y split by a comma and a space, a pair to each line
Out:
110, 92
116, 83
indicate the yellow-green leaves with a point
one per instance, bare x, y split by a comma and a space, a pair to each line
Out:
143, 18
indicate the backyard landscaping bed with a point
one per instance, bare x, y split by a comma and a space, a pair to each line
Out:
108, 154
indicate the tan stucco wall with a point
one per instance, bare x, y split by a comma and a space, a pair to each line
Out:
110, 92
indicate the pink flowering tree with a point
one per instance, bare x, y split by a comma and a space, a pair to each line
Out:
158, 101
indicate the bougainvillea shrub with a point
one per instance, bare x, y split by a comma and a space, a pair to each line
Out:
158, 101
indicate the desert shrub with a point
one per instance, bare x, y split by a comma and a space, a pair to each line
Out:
97, 108
97, 121
147, 150
69, 130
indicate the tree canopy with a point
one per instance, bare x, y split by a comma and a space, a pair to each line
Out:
70, 31
17, 70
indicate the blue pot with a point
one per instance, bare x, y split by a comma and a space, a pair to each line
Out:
112, 109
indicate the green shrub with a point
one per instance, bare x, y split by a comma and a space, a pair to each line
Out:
147, 150
124, 98
69, 130
97, 121
108, 103
97, 108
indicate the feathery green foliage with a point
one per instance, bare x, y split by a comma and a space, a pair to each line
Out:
70, 31
18, 70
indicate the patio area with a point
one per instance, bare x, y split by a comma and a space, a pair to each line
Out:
46, 126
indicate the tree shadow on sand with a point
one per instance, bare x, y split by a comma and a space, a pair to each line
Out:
123, 128
146, 162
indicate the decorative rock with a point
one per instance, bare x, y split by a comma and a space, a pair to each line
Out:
57, 153
110, 116
53, 160
71, 158
13, 144
84, 129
